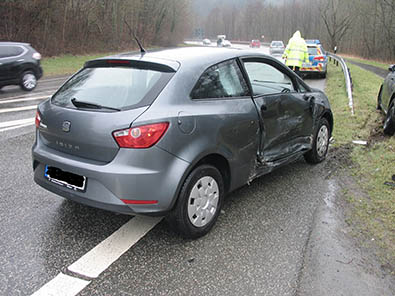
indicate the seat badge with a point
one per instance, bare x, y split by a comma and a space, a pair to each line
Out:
66, 126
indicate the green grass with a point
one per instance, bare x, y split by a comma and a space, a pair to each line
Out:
66, 64
373, 165
369, 62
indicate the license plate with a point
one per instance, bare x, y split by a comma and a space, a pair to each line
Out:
65, 179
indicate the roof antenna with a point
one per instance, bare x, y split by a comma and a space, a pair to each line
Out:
142, 50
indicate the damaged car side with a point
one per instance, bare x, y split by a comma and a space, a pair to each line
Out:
171, 132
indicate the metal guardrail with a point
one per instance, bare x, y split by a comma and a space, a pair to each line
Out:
347, 77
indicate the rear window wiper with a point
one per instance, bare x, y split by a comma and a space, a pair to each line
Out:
83, 104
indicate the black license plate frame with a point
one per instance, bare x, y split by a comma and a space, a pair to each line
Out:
62, 178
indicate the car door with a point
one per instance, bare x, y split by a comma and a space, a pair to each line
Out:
10, 61
285, 111
226, 115
388, 89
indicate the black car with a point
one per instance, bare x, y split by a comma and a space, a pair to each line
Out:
386, 101
19, 65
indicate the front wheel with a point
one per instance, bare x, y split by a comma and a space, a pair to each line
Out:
199, 202
28, 81
389, 122
320, 143
379, 99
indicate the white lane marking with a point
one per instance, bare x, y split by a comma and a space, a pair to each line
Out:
24, 99
15, 127
55, 79
24, 108
97, 260
29, 95
62, 285
16, 122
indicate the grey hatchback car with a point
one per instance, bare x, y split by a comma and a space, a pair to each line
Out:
171, 132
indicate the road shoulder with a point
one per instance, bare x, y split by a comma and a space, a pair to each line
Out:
335, 262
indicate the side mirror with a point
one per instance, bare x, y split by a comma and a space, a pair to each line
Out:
391, 68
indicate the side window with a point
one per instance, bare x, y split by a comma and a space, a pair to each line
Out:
223, 80
266, 79
10, 51
302, 89
5, 52
16, 50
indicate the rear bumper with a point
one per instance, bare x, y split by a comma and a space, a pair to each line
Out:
39, 72
134, 174
276, 51
320, 69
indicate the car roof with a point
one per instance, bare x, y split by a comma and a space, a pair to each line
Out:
13, 43
185, 56
313, 41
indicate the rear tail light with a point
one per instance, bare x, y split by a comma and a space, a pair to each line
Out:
319, 58
118, 62
139, 137
38, 119
36, 56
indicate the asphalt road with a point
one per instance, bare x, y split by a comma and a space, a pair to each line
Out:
257, 247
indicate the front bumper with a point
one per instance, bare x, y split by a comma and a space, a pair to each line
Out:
134, 174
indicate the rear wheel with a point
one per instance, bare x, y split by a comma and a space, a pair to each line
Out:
28, 81
199, 202
320, 143
389, 122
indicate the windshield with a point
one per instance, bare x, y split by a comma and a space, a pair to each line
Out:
113, 87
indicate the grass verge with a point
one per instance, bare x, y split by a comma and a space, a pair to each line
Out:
372, 213
66, 64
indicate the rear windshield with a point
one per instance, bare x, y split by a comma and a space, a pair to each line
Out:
114, 87
312, 50
277, 44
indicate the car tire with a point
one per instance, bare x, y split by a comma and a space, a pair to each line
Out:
320, 143
389, 122
323, 75
28, 81
379, 99
194, 215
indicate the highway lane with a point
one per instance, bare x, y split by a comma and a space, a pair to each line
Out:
256, 248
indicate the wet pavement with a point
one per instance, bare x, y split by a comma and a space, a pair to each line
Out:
261, 244
376, 70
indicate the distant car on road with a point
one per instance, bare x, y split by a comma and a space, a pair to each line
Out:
206, 41
318, 60
171, 132
276, 47
255, 44
386, 101
19, 65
